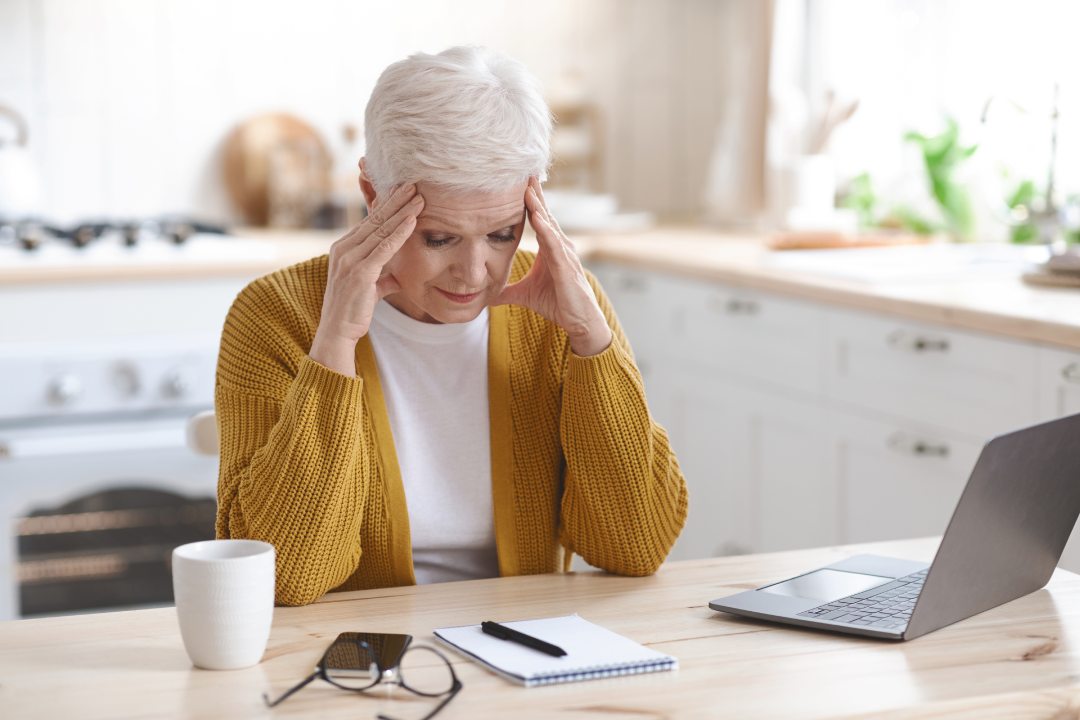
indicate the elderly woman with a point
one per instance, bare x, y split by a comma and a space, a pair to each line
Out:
427, 402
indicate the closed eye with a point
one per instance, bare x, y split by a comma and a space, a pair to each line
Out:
437, 240
505, 235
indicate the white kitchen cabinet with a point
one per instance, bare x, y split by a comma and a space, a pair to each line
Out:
977, 385
897, 479
800, 424
756, 466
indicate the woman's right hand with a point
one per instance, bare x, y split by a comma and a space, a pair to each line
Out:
355, 279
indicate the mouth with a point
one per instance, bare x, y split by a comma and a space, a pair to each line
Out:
461, 299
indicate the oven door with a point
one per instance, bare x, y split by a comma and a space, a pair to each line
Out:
90, 512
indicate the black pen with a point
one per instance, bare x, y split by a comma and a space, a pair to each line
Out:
504, 633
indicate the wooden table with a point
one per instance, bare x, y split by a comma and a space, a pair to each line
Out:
1018, 660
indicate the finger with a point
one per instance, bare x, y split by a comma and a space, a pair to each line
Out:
534, 183
384, 211
368, 225
567, 243
542, 210
354, 235
550, 238
410, 210
388, 246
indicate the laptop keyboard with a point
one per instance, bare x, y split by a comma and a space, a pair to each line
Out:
887, 607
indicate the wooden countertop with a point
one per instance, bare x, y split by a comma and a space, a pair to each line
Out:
1018, 660
997, 304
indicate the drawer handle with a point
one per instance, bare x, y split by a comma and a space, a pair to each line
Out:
633, 283
735, 306
903, 340
1071, 372
904, 443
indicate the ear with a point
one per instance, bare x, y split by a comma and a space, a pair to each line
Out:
366, 185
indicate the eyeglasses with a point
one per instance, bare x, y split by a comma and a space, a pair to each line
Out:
422, 670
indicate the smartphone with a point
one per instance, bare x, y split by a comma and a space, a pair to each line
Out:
345, 658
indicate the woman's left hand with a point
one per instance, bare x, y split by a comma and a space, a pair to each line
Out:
556, 286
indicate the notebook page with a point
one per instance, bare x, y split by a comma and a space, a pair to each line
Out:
589, 647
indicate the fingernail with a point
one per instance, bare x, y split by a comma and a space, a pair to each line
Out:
410, 188
418, 200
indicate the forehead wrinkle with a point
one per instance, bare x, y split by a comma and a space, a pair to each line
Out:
480, 220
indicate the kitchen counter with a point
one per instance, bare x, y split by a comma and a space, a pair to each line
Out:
996, 302
963, 295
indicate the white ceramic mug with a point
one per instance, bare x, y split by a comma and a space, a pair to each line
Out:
224, 591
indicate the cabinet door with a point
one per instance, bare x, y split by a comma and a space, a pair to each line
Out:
711, 439
1059, 383
898, 480
796, 486
757, 468
971, 383
1059, 395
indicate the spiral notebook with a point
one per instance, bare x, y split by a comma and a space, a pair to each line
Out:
592, 651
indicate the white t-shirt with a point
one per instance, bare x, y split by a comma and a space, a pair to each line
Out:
435, 381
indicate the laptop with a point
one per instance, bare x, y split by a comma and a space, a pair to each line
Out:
1004, 540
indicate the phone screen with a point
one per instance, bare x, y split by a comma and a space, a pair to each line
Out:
347, 658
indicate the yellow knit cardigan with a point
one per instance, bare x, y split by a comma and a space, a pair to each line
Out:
308, 461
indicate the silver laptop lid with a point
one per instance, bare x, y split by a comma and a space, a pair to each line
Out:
1009, 528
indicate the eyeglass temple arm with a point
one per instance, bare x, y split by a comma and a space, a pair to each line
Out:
295, 688
454, 690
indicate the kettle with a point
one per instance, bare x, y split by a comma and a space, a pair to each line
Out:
19, 190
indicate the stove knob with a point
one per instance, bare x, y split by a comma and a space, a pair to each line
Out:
125, 379
178, 233
175, 385
64, 390
131, 235
83, 236
30, 237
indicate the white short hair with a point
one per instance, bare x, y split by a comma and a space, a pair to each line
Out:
466, 119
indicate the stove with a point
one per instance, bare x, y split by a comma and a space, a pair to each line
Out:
97, 381
35, 243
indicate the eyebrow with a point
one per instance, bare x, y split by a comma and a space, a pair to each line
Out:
507, 222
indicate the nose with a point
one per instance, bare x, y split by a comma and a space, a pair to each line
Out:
470, 265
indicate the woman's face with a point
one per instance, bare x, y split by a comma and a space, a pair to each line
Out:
458, 258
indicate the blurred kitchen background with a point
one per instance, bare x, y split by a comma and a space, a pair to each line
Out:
830, 227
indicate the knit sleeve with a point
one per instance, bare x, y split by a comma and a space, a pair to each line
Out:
624, 500
291, 447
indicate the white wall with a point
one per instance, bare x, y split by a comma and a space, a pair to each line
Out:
129, 100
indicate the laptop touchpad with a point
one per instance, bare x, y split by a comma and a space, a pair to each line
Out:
826, 585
